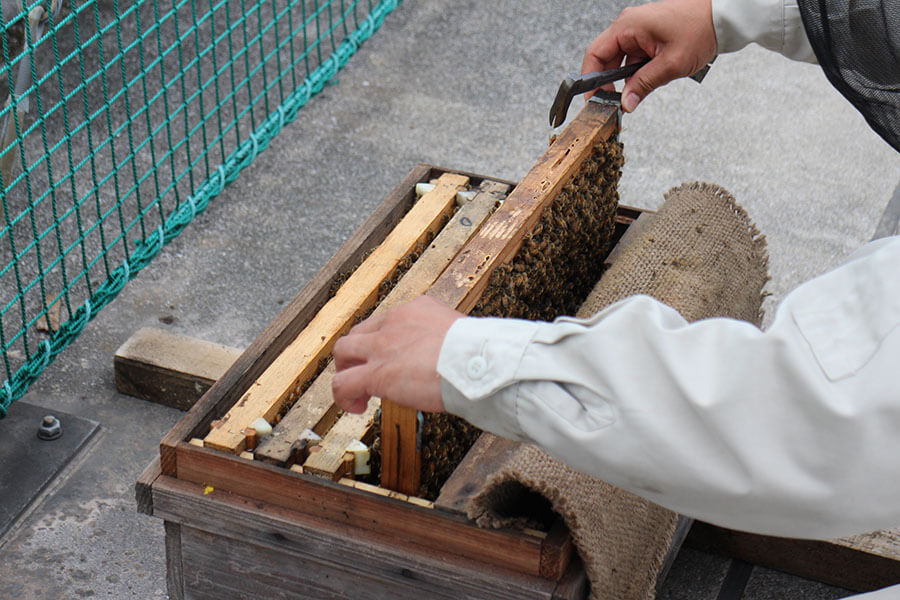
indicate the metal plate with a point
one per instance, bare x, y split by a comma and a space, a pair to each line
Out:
28, 464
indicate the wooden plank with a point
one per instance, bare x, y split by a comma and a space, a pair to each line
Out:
328, 460
292, 319
174, 561
482, 459
401, 456
437, 531
314, 410
304, 556
380, 491
170, 368
355, 297
143, 487
861, 563
499, 239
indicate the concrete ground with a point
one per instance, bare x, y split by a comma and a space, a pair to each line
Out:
462, 84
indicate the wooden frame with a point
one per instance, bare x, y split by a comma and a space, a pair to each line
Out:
257, 509
496, 243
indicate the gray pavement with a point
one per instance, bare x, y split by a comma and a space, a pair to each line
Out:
465, 85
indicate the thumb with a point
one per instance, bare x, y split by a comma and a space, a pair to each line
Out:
658, 72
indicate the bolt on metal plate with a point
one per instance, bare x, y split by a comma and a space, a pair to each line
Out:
50, 428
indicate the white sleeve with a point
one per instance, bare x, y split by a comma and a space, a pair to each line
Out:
794, 431
773, 24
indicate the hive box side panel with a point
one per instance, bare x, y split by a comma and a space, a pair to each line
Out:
233, 547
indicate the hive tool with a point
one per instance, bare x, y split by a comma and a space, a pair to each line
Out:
574, 85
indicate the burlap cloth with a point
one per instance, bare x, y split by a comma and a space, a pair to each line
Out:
701, 255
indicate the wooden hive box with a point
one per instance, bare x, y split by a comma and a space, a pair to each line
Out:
240, 528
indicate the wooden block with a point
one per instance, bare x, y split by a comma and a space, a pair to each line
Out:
355, 297
169, 368
860, 563
557, 550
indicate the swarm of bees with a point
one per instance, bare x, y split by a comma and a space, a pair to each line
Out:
562, 257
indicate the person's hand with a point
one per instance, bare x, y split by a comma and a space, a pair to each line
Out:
678, 36
394, 355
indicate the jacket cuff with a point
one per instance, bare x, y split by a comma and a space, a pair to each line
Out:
478, 364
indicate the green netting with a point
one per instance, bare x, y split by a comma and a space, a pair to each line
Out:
122, 122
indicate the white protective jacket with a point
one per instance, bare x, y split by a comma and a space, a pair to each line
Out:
792, 431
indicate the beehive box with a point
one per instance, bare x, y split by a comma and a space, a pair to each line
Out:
238, 527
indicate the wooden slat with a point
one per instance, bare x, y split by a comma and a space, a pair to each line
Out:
328, 460
143, 487
406, 523
499, 239
292, 319
401, 456
250, 548
174, 561
314, 410
355, 297
482, 459
861, 563
380, 491
170, 368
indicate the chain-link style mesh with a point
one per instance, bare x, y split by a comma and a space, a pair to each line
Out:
120, 122
858, 45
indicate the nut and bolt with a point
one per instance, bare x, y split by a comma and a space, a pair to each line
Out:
50, 428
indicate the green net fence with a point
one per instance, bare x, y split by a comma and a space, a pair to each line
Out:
120, 123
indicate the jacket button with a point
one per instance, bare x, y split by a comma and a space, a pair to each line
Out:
476, 368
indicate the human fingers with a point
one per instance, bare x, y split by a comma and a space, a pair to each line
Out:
679, 36
368, 325
603, 54
656, 73
350, 390
351, 350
